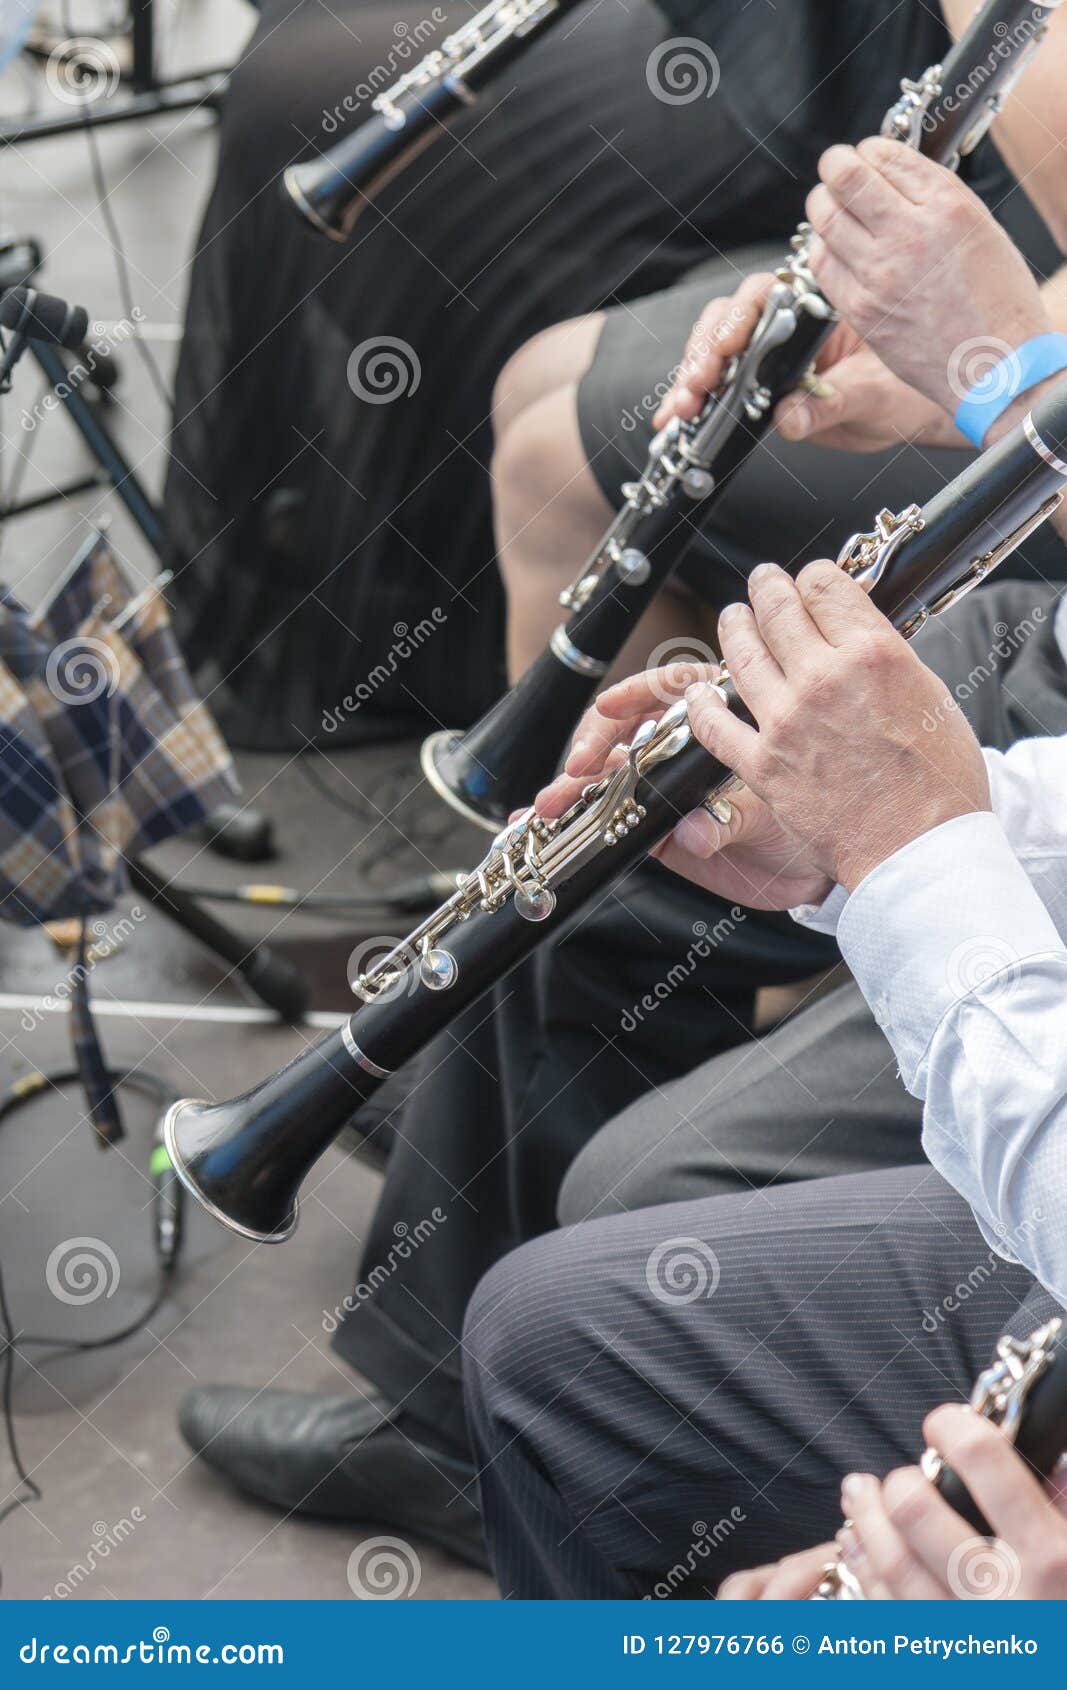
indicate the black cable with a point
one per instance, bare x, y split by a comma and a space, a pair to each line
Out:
78, 1346
422, 892
31, 1490
33, 1085
122, 268
62, 1347
343, 804
440, 834
155, 374
160, 1091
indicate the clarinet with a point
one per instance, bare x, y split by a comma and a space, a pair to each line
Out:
1024, 1392
493, 766
245, 1159
330, 191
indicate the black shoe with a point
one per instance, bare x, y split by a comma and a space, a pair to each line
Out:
350, 1458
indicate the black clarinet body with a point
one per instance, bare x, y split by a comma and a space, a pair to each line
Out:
1025, 1388
331, 191
1024, 1392
245, 1160
496, 764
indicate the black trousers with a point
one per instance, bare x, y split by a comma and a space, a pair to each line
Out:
662, 1398
642, 1000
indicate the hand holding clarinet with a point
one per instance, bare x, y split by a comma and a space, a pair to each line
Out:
818, 668
998, 1470
840, 769
905, 1542
929, 289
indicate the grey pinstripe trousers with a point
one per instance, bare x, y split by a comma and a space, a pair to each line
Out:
661, 1398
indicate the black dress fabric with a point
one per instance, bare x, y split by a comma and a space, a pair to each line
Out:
322, 538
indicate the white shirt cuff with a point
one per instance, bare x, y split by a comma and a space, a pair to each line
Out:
938, 919
824, 917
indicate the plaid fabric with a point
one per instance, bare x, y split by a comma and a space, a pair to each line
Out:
39, 868
94, 584
105, 750
22, 647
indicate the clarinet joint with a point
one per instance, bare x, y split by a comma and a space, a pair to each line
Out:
528, 857
904, 120
462, 52
867, 556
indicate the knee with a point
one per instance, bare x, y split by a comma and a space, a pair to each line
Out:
515, 387
484, 1351
551, 359
536, 466
646, 1156
590, 1188
516, 1321
604, 1181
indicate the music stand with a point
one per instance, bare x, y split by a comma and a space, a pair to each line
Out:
150, 94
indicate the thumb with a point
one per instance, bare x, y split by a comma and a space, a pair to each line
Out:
840, 394
819, 404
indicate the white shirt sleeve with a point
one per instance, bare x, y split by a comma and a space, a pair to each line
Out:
1028, 788
966, 972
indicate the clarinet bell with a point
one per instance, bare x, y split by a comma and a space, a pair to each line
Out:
245, 1160
208, 1149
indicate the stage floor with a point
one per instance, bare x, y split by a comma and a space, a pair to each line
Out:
98, 1430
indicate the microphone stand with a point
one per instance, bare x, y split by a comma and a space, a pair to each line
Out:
17, 345
19, 263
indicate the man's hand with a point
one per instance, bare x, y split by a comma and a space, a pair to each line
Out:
790, 1580
919, 268
904, 1541
748, 860
931, 293
858, 748
723, 329
854, 405
857, 405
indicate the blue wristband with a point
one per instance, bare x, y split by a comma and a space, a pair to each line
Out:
990, 397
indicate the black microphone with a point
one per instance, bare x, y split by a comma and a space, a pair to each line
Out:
41, 316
